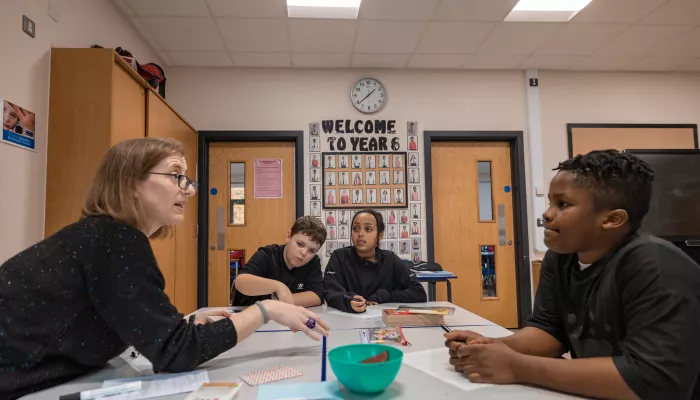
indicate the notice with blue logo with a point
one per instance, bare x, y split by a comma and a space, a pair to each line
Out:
18, 126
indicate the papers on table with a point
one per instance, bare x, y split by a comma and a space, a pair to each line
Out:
139, 363
373, 312
161, 385
436, 363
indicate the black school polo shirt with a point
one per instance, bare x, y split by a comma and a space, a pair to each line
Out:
268, 262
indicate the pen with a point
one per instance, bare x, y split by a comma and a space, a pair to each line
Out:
103, 392
445, 328
323, 362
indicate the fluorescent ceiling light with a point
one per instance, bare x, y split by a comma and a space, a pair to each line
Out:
546, 10
342, 9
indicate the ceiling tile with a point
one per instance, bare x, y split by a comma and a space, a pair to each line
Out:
321, 35
493, 61
580, 39
437, 61
639, 40
251, 34
167, 61
318, 60
453, 37
169, 8
692, 66
124, 8
551, 62
388, 36
474, 10
178, 33
684, 45
519, 37
398, 9
248, 8
145, 32
380, 60
604, 63
657, 63
616, 11
200, 58
675, 12
244, 59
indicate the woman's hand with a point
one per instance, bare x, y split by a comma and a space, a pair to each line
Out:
295, 318
358, 304
203, 317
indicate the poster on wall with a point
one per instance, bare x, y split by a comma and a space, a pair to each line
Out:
268, 178
18, 126
361, 180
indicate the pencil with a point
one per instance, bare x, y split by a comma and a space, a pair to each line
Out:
445, 328
323, 361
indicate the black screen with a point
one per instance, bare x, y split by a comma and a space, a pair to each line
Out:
675, 200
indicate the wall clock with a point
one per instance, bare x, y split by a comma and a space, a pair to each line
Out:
368, 95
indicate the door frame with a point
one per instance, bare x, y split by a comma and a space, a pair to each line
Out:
205, 139
517, 161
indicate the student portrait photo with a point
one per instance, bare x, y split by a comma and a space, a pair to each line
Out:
398, 161
404, 247
315, 145
315, 190
370, 178
329, 161
331, 232
415, 228
313, 129
398, 177
415, 210
392, 217
314, 161
330, 178
342, 232
412, 143
392, 246
344, 196
357, 178
343, 216
357, 196
385, 197
343, 161
383, 177
413, 159
330, 196
357, 161
413, 175
416, 257
404, 216
330, 218
415, 193
371, 196
412, 128
392, 232
315, 175
315, 208
398, 196
383, 161
403, 231
343, 176
369, 161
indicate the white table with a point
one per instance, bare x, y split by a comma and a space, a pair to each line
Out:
342, 321
269, 349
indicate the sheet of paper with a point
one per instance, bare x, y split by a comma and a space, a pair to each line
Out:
289, 391
139, 363
436, 363
373, 312
161, 385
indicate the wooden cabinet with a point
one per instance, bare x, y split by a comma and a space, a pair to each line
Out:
95, 101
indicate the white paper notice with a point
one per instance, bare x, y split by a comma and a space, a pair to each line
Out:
267, 178
436, 363
161, 385
373, 312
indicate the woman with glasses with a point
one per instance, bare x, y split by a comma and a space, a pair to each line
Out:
80, 297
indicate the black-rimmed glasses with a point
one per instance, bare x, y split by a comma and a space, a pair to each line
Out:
183, 182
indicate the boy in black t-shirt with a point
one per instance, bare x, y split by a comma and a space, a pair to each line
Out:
625, 304
291, 272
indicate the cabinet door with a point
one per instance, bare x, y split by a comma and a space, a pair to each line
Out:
180, 273
128, 106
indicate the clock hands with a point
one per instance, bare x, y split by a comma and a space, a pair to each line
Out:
367, 96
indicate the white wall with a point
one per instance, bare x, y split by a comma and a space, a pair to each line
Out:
285, 99
24, 80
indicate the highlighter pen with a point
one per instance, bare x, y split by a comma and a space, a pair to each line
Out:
103, 392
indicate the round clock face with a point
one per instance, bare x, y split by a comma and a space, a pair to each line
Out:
368, 95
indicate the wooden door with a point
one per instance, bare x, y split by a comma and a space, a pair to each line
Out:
177, 255
473, 227
265, 221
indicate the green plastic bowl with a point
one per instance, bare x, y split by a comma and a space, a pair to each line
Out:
365, 378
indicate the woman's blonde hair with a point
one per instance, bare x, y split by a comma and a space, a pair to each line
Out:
125, 165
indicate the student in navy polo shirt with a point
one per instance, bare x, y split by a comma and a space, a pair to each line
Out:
625, 304
292, 271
